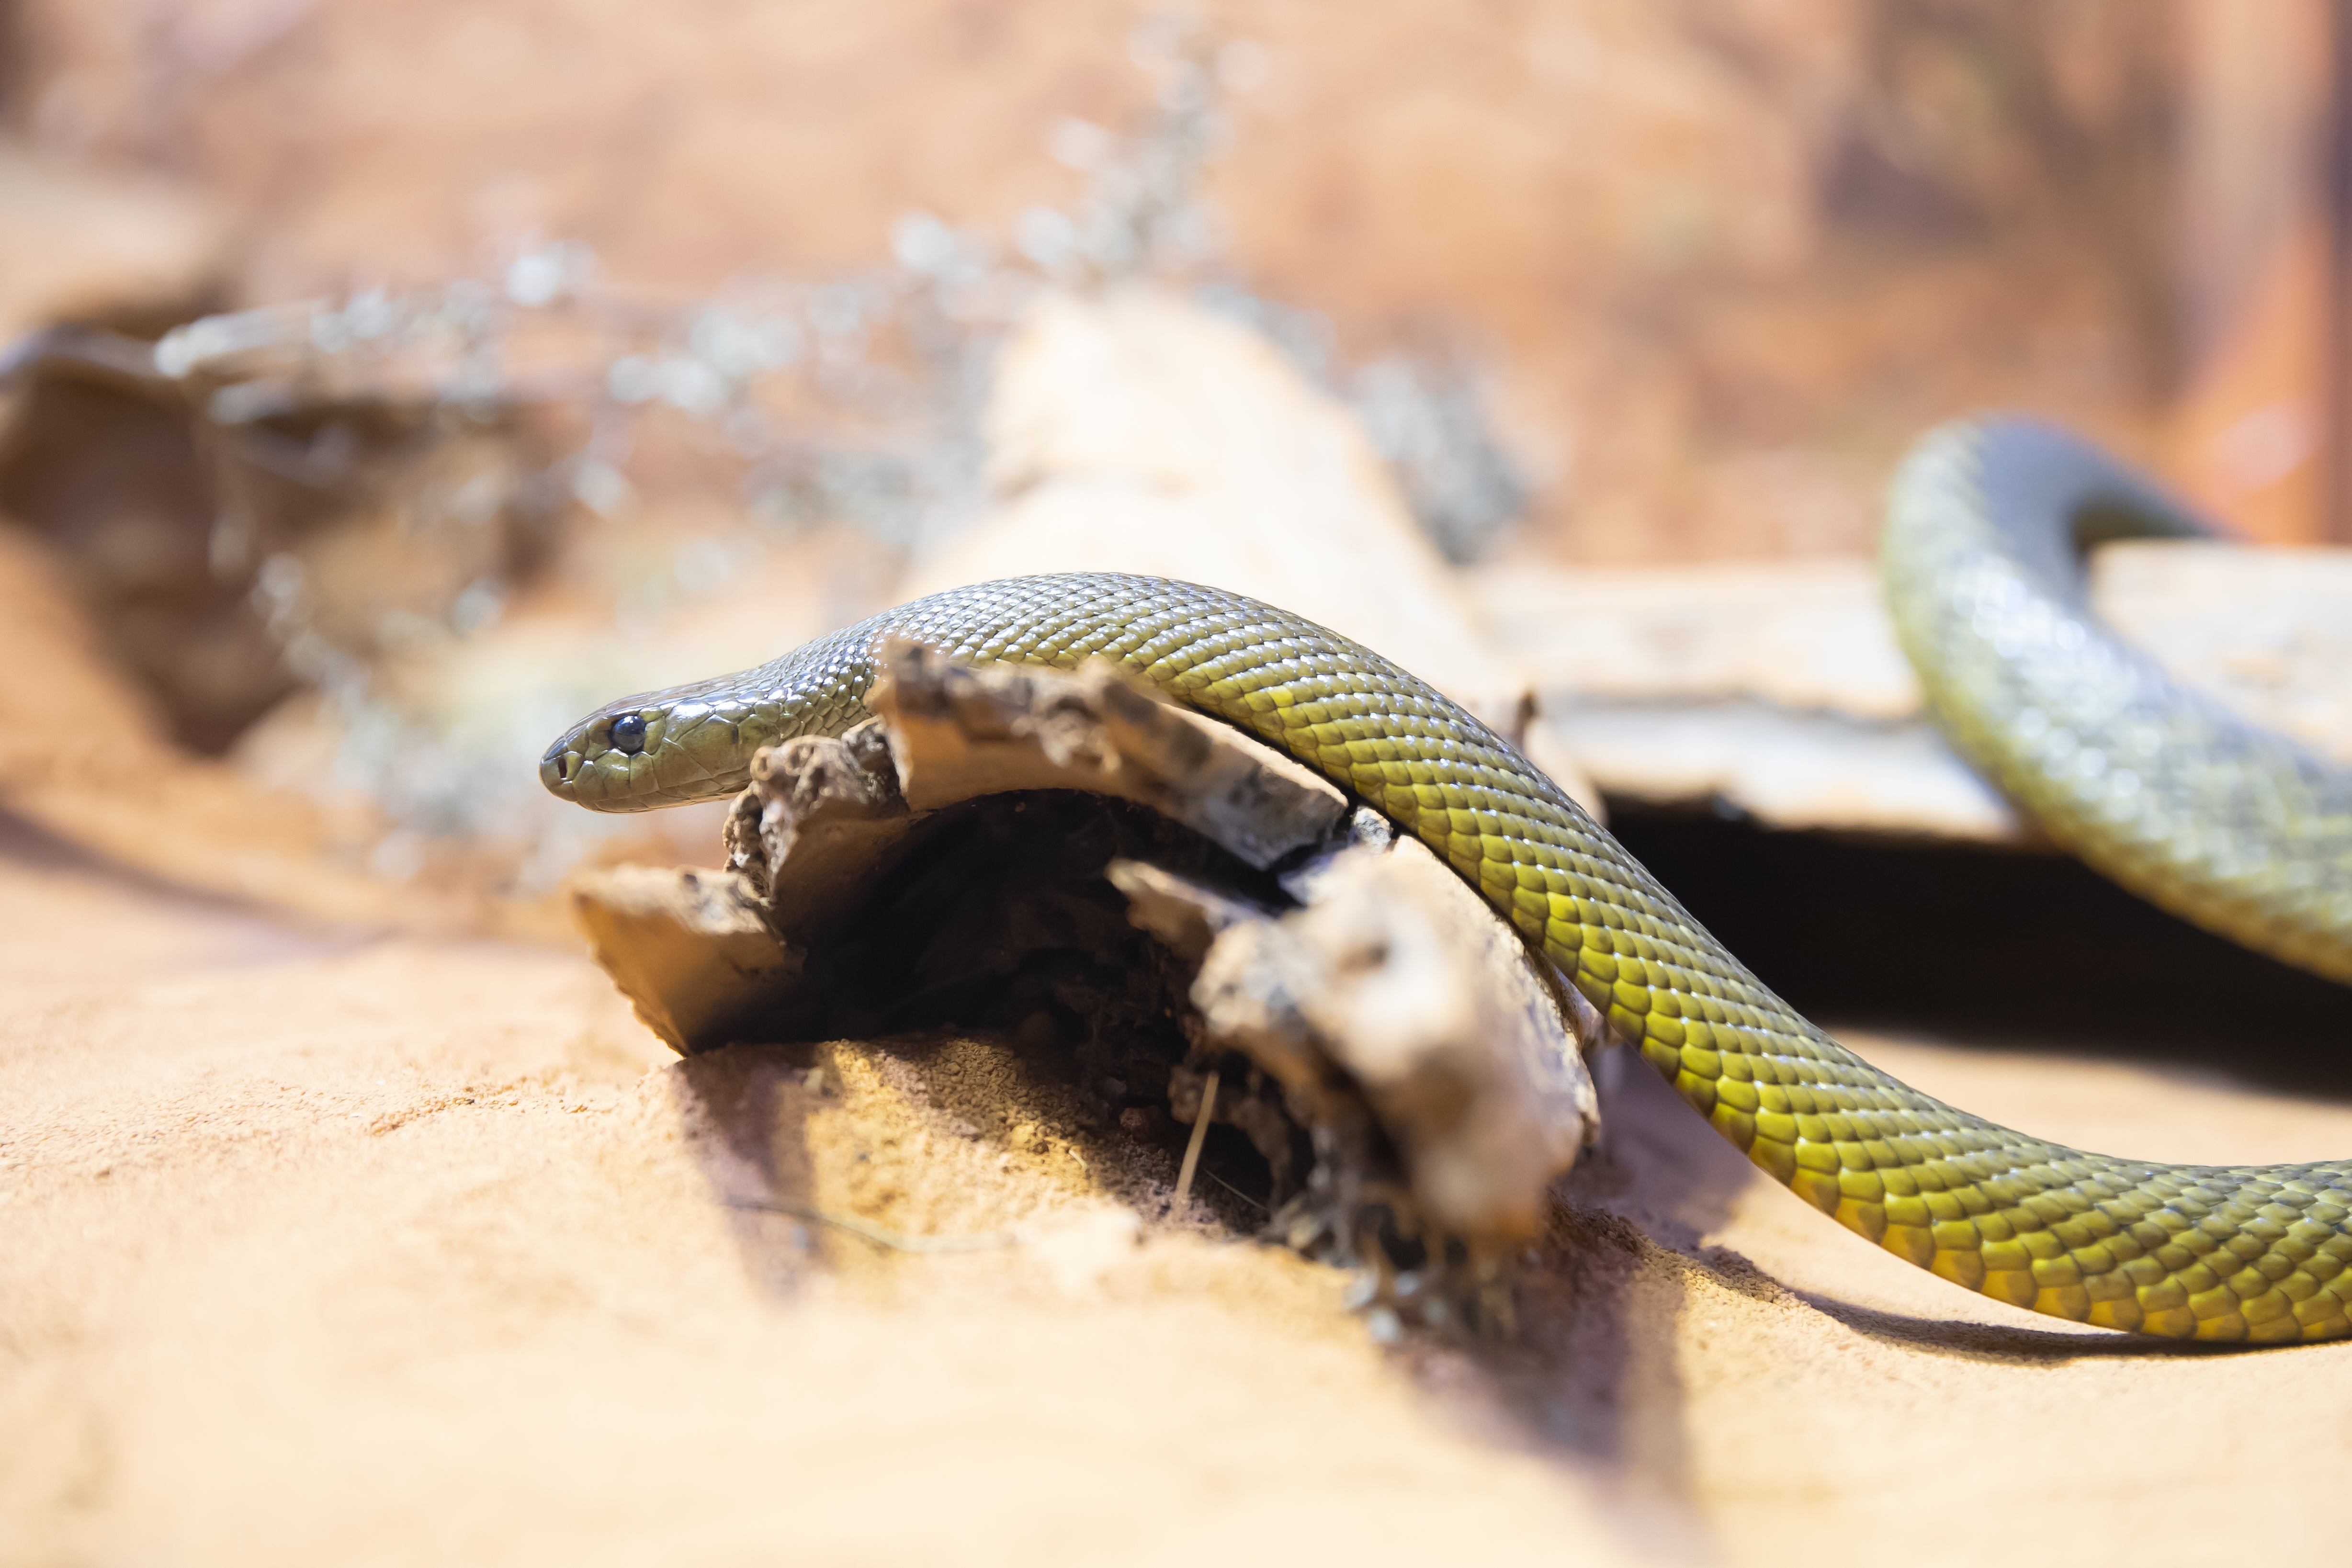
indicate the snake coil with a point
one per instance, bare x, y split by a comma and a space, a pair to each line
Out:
2160, 787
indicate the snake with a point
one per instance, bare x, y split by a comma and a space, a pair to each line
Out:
2157, 785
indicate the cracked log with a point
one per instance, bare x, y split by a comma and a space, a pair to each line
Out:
1061, 855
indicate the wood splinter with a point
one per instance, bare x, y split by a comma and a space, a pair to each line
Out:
1193, 1145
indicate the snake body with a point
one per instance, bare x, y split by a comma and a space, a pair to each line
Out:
2250, 1253
2226, 824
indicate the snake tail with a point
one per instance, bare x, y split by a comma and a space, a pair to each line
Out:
2242, 1253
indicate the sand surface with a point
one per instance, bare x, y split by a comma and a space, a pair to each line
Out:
331, 1246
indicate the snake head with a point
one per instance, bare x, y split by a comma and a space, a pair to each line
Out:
606, 762
655, 748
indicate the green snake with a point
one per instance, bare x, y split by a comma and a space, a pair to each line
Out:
2160, 787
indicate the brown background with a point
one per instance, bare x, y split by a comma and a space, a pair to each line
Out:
1726, 259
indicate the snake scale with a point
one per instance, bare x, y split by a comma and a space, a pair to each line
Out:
2157, 784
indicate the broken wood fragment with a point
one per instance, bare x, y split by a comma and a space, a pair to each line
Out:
830, 808
960, 732
1397, 981
691, 949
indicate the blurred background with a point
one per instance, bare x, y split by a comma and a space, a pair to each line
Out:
383, 386
390, 384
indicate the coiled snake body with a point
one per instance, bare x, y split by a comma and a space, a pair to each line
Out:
2161, 788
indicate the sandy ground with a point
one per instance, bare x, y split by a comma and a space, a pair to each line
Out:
331, 1246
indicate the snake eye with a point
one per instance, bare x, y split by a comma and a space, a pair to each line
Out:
628, 734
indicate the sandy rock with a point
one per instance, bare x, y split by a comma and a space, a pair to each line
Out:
1776, 689
322, 1249
1806, 769
1797, 634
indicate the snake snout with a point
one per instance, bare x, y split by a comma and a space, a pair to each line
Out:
565, 767
601, 761
556, 770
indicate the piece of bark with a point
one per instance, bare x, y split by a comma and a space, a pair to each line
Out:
960, 731
704, 955
1781, 689
691, 949
1184, 914
1396, 981
828, 807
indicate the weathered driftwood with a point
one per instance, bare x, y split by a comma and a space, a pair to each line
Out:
959, 732
1396, 980
691, 950
1402, 1063
1778, 688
